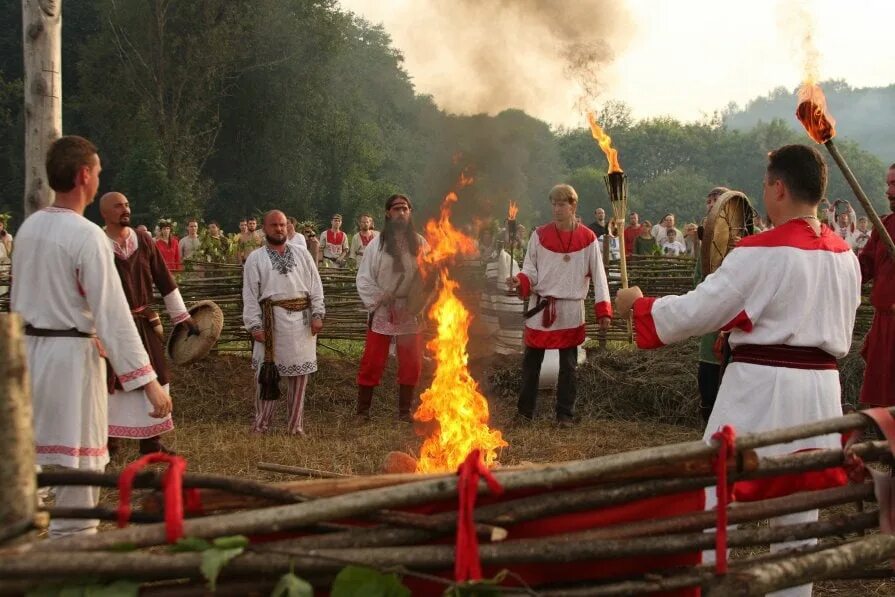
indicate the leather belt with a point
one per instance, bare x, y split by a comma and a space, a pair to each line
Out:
781, 355
30, 330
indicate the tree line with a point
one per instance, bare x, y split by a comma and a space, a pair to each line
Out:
226, 108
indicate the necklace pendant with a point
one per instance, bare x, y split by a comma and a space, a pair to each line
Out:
567, 258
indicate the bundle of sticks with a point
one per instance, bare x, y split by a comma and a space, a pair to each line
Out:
405, 523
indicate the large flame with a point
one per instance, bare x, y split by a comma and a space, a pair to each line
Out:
513, 211
605, 142
453, 399
812, 112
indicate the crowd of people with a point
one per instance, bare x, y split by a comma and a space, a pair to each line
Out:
85, 296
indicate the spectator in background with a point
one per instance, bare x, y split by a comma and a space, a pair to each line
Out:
862, 234
841, 218
632, 232
365, 234
313, 244
672, 247
168, 245
758, 224
660, 230
710, 200
334, 244
190, 244
691, 239
5, 243
246, 241
293, 236
599, 224
252, 228
217, 247
645, 244
142, 228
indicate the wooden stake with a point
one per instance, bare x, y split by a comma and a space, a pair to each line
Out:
18, 491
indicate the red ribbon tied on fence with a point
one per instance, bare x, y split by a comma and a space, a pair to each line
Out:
172, 485
467, 565
726, 437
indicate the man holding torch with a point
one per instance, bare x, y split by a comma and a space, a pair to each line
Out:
563, 258
879, 346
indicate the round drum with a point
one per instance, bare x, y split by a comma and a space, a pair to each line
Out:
730, 220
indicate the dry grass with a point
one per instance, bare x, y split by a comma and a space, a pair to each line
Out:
627, 400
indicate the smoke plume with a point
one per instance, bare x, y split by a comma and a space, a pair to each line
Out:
483, 56
797, 23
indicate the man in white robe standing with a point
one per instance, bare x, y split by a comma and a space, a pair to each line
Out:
783, 371
283, 310
140, 266
68, 293
562, 261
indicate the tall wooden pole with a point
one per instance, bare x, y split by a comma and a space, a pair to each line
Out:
18, 483
42, 43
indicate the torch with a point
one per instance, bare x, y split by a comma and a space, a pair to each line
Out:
617, 187
820, 125
512, 234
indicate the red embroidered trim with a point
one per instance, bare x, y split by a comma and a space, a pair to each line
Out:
58, 210
798, 235
603, 309
548, 339
141, 432
645, 332
181, 318
338, 240
72, 451
551, 238
132, 375
741, 321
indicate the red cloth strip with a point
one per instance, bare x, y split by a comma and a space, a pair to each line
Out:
781, 355
467, 565
726, 447
172, 485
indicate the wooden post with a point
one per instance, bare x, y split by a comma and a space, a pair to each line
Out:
42, 43
18, 484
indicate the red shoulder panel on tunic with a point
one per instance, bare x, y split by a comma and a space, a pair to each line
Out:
799, 235
554, 240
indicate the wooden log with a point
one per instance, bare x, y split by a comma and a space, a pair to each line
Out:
298, 470
798, 570
18, 491
42, 43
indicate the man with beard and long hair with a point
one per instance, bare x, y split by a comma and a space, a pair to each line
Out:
879, 347
365, 235
388, 276
140, 265
283, 310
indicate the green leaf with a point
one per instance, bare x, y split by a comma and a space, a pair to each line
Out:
190, 544
292, 586
213, 560
358, 581
123, 547
231, 542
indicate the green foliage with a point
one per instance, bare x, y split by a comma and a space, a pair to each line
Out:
358, 581
290, 585
215, 555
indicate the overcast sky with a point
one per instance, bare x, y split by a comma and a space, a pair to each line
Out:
685, 58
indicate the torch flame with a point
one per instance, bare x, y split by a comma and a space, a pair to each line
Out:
453, 399
605, 142
812, 112
514, 209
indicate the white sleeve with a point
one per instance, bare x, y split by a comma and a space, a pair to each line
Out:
530, 264
115, 326
352, 251
602, 299
175, 307
367, 287
251, 292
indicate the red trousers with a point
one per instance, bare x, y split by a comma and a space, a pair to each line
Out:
372, 364
879, 355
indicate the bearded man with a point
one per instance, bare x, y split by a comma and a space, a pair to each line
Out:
283, 310
877, 264
140, 265
387, 278
365, 234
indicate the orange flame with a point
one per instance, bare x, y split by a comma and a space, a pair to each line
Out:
453, 399
812, 112
513, 211
605, 142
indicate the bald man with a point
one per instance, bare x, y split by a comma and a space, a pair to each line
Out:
140, 265
283, 310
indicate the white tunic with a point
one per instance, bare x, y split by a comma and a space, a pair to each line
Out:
129, 411
65, 278
376, 278
784, 286
356, 251
563, 270
266, 274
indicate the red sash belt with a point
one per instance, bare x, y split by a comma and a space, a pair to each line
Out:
781, 355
